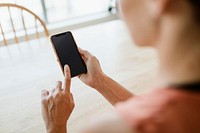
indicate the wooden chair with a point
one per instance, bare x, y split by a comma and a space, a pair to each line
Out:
22, 10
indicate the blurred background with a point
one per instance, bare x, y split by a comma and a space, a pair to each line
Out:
57, 16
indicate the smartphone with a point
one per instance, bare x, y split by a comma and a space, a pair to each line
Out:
67, 52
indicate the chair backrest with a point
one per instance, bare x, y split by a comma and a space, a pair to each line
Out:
21, 11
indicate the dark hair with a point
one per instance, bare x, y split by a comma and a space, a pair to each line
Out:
196, 6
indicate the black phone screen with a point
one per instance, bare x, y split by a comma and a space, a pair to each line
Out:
67, 52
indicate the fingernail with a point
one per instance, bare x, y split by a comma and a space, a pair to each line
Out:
66, 67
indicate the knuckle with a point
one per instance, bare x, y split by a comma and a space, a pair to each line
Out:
57, 95
66, 96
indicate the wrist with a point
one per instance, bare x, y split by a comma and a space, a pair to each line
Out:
100, 80
61, 129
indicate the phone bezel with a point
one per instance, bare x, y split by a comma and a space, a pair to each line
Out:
54, 49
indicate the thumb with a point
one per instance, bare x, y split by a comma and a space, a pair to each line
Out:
84, 53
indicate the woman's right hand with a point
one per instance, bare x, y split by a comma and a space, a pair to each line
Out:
94, 72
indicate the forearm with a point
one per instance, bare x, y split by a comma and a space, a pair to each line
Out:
112, 90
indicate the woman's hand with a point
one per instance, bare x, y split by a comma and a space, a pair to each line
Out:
106, 86
57, 105
94, 72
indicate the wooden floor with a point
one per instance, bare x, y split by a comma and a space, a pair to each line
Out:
27, 68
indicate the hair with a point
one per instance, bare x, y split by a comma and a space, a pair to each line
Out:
196, 6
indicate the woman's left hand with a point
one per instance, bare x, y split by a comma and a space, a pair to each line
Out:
57, 105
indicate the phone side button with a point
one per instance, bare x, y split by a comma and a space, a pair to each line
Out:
57, 60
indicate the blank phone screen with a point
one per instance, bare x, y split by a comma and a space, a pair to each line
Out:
67, 52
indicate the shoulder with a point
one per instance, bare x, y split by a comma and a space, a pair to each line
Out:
158, 109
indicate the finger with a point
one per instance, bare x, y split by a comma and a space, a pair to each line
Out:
44, 94
67, 81
59, 85
80, 50
84, 59
84, 53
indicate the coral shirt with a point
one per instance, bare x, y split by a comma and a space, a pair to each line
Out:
163, 111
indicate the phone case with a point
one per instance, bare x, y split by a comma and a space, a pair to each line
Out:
57, 57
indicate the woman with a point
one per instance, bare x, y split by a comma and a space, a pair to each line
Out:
172, 27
